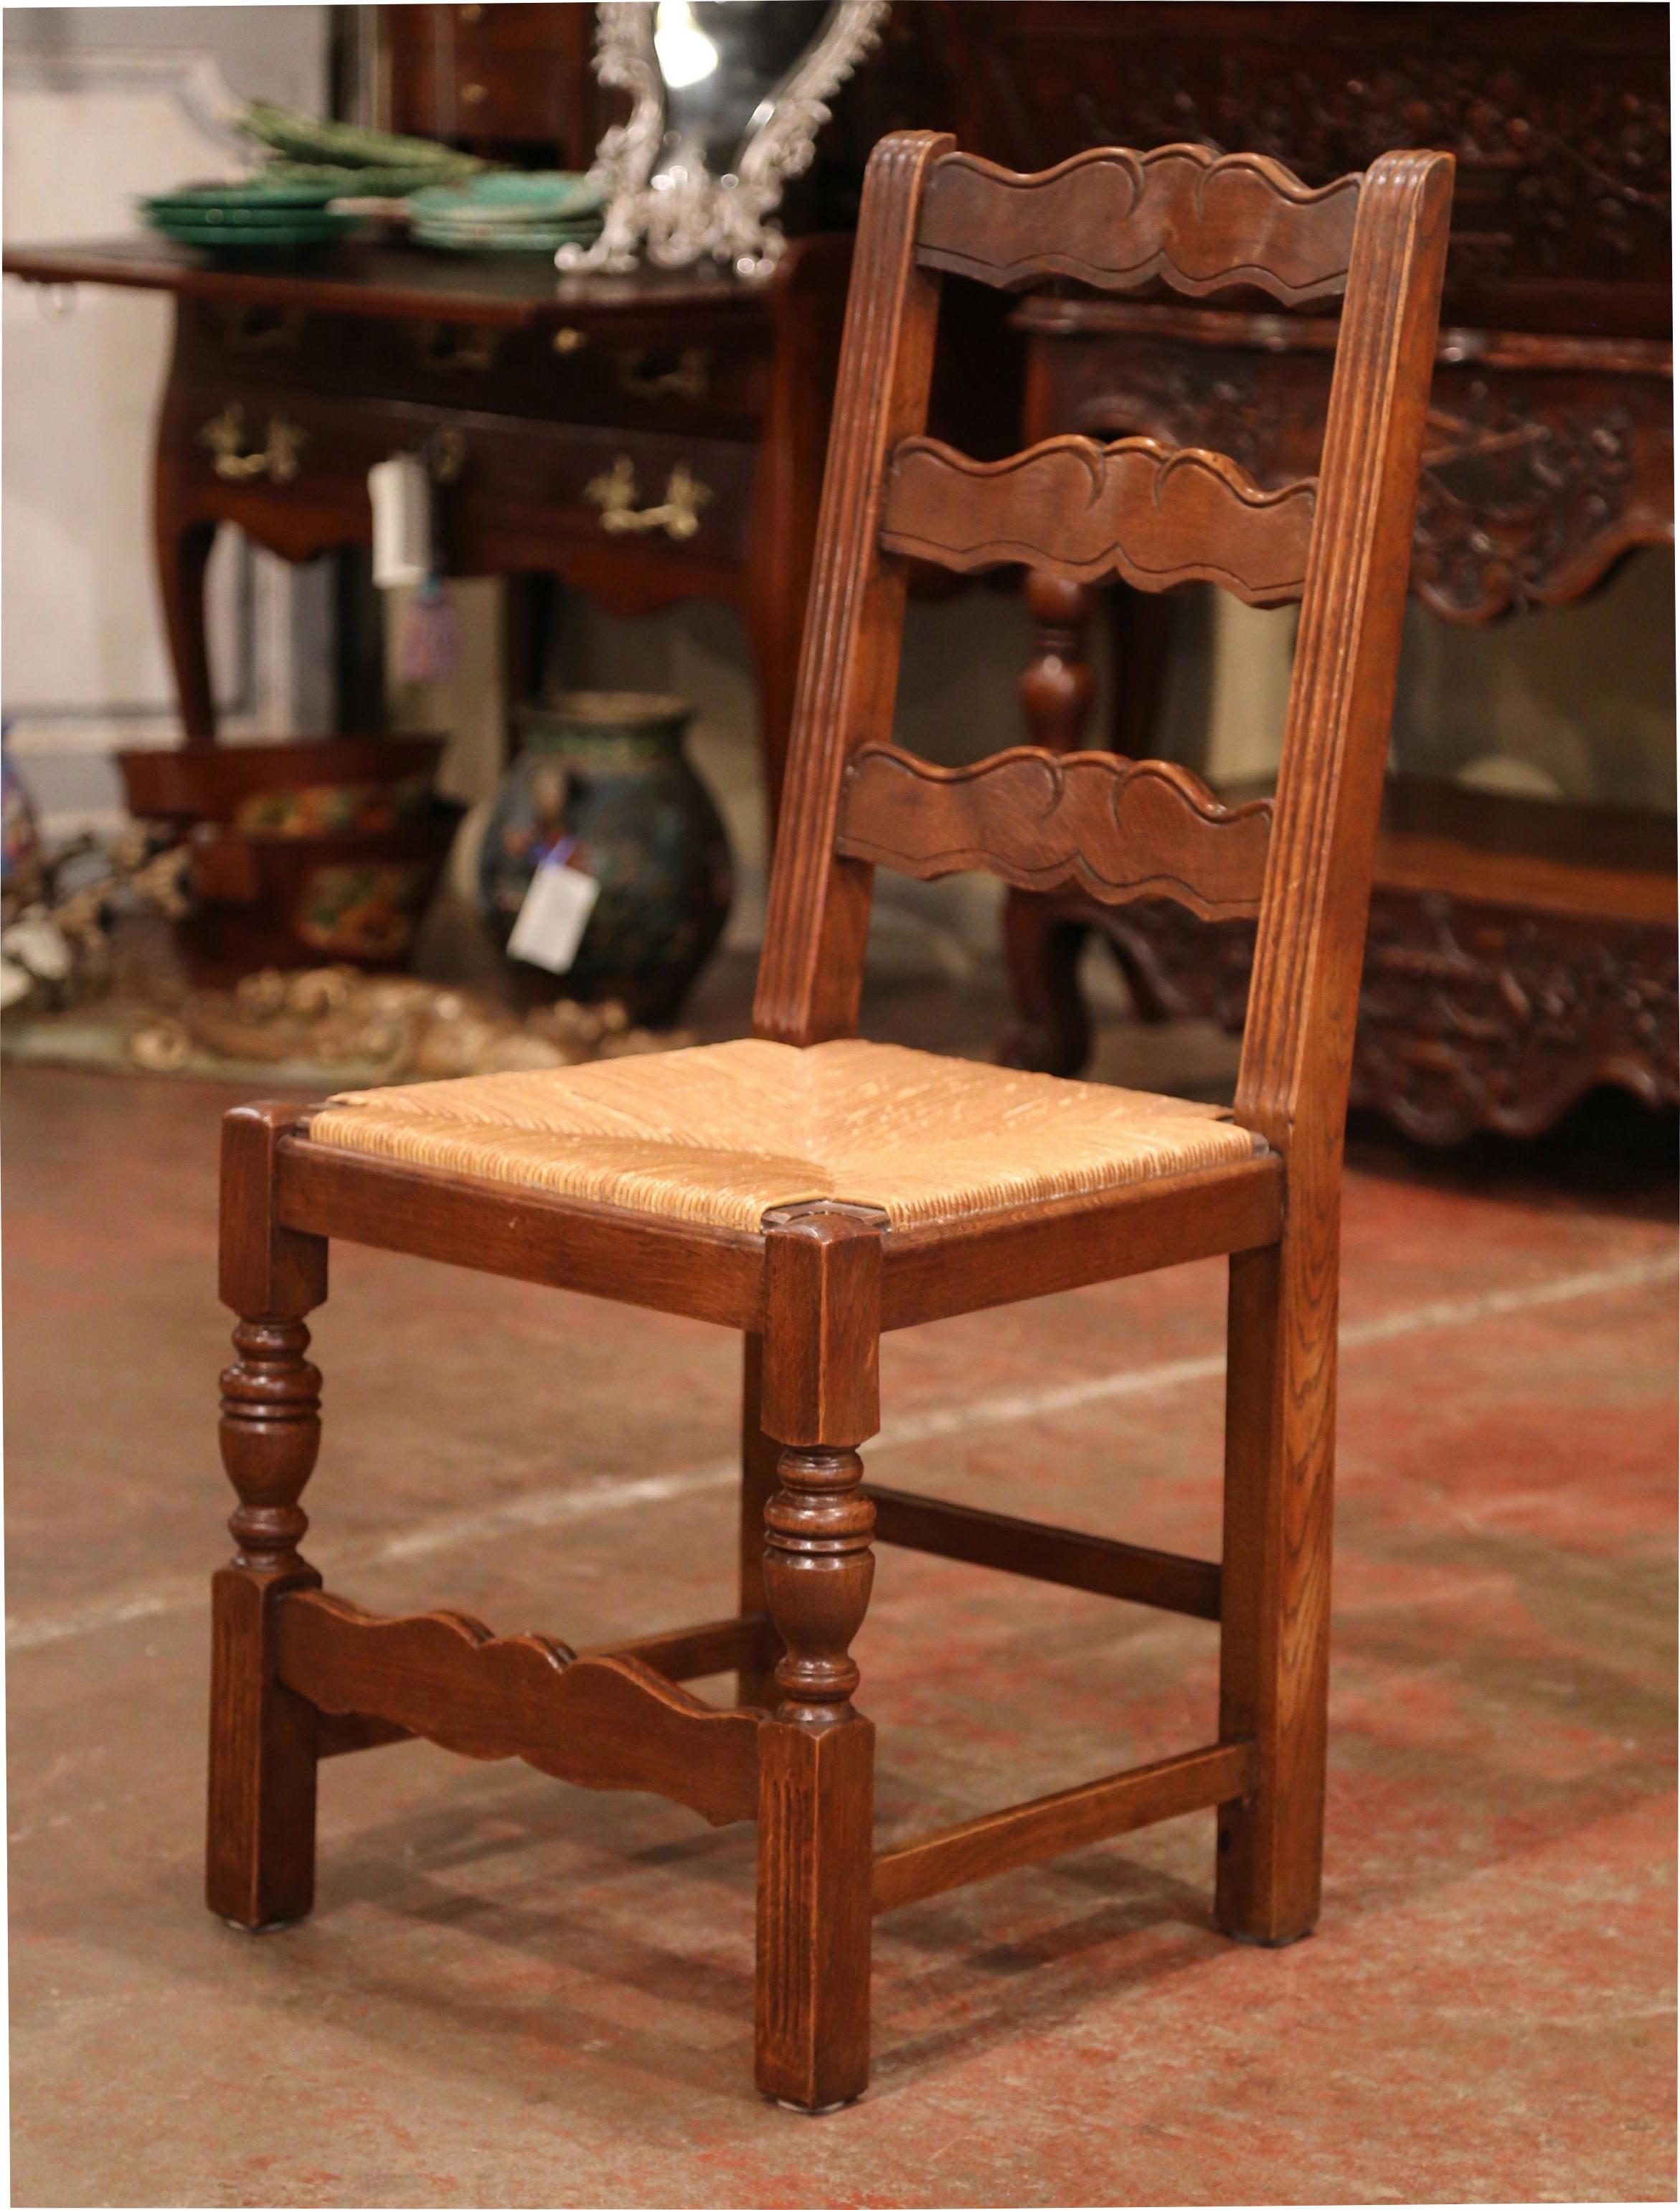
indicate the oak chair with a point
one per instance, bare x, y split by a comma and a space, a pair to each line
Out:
812, 1190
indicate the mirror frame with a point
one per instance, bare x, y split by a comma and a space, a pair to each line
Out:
676, 218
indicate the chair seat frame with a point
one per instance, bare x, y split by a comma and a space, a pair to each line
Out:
299, 1676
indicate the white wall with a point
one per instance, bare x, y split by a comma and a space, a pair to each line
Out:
101, 105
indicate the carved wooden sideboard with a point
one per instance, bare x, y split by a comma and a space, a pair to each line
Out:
1518, 952
646, 438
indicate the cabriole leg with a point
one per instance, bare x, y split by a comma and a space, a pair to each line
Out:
817, 1753
260, 1861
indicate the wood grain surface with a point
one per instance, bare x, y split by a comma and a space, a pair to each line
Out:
1118, 220
596, 1722
1118, 829
1152, 514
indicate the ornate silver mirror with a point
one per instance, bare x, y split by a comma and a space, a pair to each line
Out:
728, 96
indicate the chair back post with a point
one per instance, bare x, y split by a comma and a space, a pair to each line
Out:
811, 972
1297, 1042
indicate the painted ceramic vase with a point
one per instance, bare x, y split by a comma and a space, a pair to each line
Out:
602, 779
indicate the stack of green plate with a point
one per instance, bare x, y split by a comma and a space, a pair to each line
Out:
247, 220
311, 143
372, 180
509, 211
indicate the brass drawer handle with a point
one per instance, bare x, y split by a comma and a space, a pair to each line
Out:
445, 455
277, 459
616, 494
689, 379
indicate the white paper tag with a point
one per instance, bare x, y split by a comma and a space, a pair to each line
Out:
400, 493
554, 916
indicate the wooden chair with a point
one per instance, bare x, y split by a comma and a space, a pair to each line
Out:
811, 1190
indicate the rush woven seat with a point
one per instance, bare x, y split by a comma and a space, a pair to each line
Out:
725, 1132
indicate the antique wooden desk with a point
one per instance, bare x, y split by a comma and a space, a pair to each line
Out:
644, 439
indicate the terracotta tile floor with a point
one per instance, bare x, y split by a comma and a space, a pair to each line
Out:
513, 1993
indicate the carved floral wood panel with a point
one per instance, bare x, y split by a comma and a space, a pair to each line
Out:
1557, 119
1535, 479
1470, 1015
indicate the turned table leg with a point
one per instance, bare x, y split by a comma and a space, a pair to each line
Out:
1041, 951
1057, 686
260, 1861
820, 1399
1041, 945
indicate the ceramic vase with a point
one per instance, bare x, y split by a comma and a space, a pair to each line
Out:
602, 779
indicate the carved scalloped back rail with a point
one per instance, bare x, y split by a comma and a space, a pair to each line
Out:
1152, 515
1120, 830
596, 1722
1118, 220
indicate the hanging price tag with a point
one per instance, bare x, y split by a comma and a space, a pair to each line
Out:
554, 916
400, 493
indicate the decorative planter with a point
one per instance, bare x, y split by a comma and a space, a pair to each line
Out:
602, 777
303, 851
315, 785
299, 901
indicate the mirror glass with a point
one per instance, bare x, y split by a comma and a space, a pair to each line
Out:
727, 97
722, 63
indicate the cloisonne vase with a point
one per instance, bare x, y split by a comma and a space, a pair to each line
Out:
602, 777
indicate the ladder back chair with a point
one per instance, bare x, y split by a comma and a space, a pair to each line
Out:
811, 1190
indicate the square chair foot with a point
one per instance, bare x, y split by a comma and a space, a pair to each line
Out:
1266, 1941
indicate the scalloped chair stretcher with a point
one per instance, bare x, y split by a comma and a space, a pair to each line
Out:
813, 1190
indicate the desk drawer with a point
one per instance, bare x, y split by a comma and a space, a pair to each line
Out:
706, 379
622, 487
246, 449
707, 375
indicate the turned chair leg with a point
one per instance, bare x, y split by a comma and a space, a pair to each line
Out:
816, 1753
260, 1862
1275, 1619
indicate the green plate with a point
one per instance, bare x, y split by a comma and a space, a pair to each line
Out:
386, 181
303, 137
523, 240
513, 196
469, 233
248, 223
237, 199
272, 238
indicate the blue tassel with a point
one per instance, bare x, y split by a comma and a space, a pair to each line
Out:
429, 647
